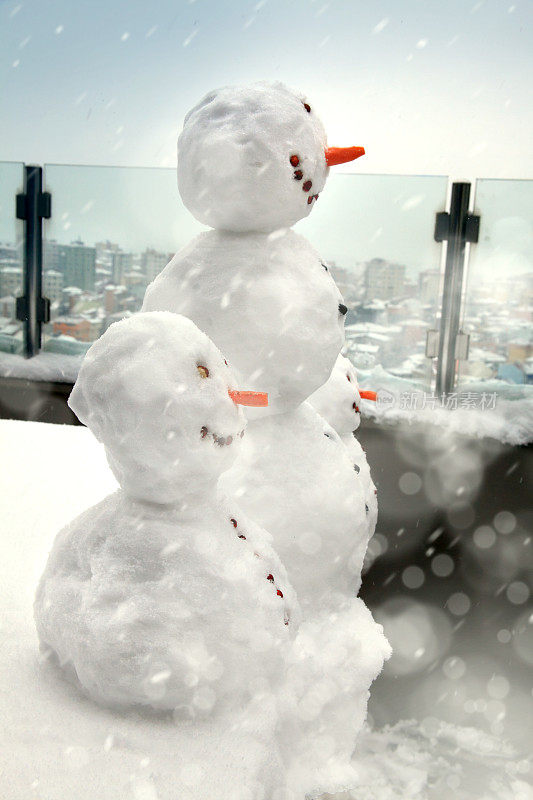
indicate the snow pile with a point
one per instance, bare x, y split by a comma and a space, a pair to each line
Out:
234, 167
42, 367
492, 408
267, 303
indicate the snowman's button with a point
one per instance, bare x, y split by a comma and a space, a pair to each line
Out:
307, 185
294, 161
356, 468
298, 174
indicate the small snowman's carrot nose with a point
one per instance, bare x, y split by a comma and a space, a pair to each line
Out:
244, 398
368, 394
340, 155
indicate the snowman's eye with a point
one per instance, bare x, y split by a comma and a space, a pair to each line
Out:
349, 378
204, 372
307, 107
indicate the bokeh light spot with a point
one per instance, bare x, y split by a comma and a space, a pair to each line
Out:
505, 522
442, 565
458, 604
410, 483
517, 592
498, 687
454, 668
413, 577
484, 537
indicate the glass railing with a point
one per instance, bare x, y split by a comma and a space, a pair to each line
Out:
113, 229
11, 262
498, 307
376, 231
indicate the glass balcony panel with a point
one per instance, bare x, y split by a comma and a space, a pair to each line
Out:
498, 298
376, 234
112, 230
11, 264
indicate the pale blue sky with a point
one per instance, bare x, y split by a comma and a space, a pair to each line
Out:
431, 87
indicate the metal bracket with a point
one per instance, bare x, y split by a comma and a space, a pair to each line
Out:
462, 346
432, 344
472, 228
442, 226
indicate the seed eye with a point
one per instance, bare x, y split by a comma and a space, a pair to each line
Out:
349, 378
203, 371
307, 107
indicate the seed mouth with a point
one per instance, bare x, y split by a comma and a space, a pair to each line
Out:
216, 438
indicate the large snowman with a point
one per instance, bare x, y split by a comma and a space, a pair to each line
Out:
252, 161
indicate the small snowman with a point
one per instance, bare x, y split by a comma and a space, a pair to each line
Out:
252, 161
339, 402
164, 594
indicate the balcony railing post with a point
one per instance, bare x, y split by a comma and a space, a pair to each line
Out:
457, 228
33, 309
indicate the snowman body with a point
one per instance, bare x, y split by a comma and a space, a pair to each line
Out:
295, 477
162, 595
338, 401
267, 301
147, 605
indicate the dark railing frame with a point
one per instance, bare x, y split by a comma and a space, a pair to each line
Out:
33, 309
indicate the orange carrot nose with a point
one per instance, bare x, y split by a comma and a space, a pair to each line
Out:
340, 155
368, 394
248, 398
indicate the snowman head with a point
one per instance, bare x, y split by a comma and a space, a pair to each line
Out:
254, 158
155, 390
339, 400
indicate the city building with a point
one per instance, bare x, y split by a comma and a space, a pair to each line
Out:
152, 262
428, 286
10, 281
384, 280
84, 329
120, 264
53, 285
76, 262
